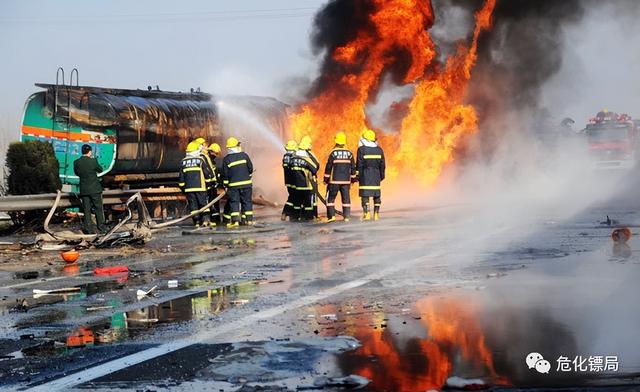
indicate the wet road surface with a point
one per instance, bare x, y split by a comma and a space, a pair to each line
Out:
402, 304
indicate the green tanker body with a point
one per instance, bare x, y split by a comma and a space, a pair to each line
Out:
135, 134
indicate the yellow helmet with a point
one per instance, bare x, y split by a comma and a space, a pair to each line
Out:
199, 141
291, 145
215, 147
193, 147
232, 142
305, 143
341, 138
369, 135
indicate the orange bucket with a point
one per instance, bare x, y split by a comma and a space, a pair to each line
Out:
621, 235
70, 256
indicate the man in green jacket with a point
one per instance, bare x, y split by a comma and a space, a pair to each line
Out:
87, 168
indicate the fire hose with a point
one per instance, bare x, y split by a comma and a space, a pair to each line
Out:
142, 212
314, 185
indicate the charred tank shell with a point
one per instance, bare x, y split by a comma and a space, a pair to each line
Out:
152, 127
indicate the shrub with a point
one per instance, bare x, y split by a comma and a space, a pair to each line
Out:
33, 168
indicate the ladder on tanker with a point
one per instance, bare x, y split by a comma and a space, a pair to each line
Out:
66, 113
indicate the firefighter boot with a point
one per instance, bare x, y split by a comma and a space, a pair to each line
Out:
233, 225
365, 213
376, 213
332, 219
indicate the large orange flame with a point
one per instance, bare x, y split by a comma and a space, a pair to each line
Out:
437, 118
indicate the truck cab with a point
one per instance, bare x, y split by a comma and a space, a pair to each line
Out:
613, 141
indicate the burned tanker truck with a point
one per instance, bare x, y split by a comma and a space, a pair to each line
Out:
138, 136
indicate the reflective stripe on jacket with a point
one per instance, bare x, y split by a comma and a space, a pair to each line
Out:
303, 169
236, 170
341, 167
193, 174
286, 167
370, 167
212, 182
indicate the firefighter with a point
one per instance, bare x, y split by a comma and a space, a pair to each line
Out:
290, 150
210, 155
370, 167
339, 173
192, 181
304, 169
305, 145
237, 169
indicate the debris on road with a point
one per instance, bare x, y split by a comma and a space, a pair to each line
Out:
621, 235
21, 305
57, 291
141, 293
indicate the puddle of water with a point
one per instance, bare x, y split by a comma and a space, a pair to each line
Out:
131, 325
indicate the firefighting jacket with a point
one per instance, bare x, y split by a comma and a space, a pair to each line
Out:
213, 181
286, 167
340, 168
236, 170
370, 167
193, 174
303, 168
314, 161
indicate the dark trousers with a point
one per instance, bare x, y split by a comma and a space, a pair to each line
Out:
195, 201
240, 203
377, 201
215, 208
297, 200
289, 205
304, 204
332, 193
92, 204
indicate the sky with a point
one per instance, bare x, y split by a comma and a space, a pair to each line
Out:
221, 46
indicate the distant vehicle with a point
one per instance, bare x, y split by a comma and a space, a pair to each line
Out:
613, 141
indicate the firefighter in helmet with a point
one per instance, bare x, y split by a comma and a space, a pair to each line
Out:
192, 181
237, 170
305, 147
210, 155
339, 173
304, 169
370, 168
290, 150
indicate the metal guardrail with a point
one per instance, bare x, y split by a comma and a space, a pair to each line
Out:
109, 197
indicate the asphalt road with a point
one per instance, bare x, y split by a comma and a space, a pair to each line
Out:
402, 304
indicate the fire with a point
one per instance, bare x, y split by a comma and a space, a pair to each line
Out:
437, 119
